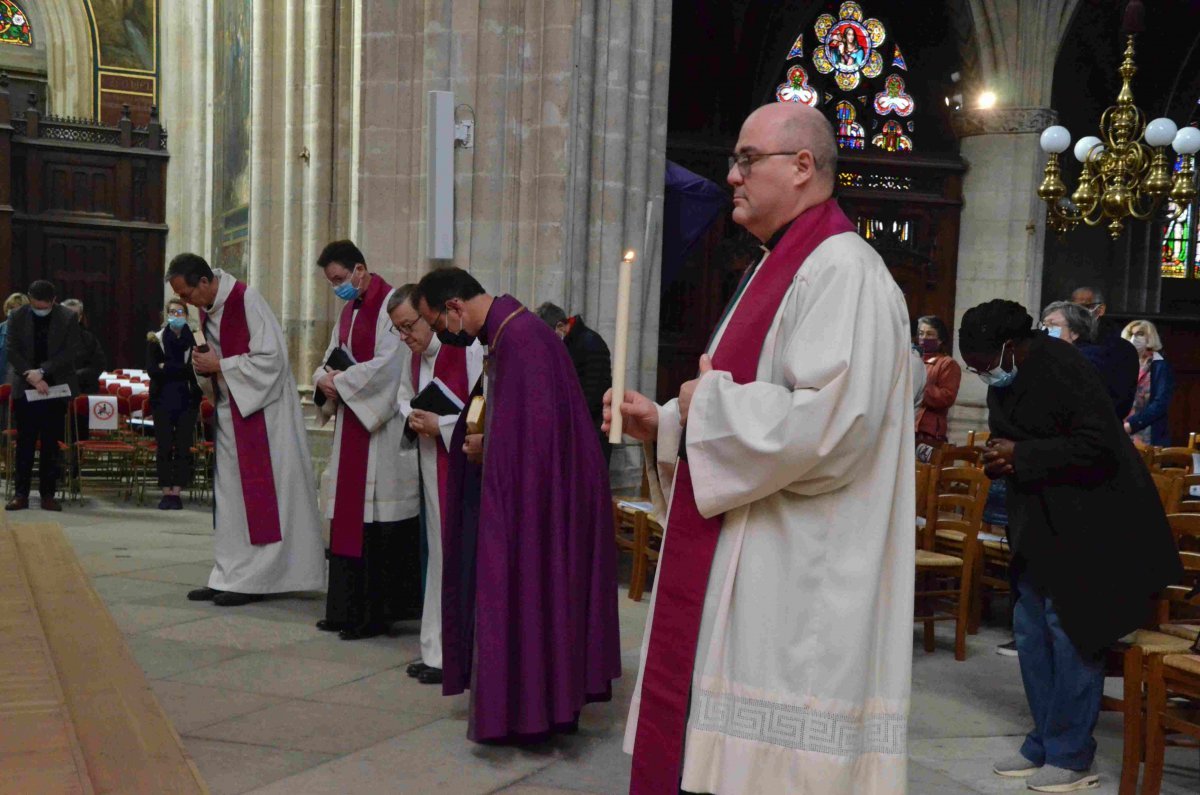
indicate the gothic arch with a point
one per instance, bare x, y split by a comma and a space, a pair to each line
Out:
66, 38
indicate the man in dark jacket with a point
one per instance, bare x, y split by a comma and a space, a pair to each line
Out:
43, 341
1113, 357
1090, 542
592, 361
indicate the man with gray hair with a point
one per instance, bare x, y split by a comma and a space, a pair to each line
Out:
778, 657
1113, 356
90, 360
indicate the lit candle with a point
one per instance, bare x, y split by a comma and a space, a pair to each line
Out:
624, 286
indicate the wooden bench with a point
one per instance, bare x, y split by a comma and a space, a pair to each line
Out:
77, 713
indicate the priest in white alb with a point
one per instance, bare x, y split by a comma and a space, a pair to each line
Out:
267, 535
369, 488
779, 647
458, 369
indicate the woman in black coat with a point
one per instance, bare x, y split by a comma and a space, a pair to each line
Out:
1090, 542
174, 400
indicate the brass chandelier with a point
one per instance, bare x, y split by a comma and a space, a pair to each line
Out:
1122, 177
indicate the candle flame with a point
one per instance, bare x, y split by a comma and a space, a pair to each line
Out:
630, 256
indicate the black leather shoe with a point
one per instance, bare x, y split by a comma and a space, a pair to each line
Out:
17, 503
165, 503
325, 625
202, 594
231, 599
176, 503
430, 676
363, 631
414, 669
50, 504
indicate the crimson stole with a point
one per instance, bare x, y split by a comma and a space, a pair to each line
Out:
691, 540
250, 433
346, 529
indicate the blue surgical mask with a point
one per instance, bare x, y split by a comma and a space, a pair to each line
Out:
346, 290
42, 312
998, 377
177, 322
1054, 331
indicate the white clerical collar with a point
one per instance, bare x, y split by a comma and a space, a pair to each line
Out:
431, 351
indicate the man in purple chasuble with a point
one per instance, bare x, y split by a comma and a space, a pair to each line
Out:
529, 583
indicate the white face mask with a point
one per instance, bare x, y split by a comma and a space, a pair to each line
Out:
1139, 341
42, 312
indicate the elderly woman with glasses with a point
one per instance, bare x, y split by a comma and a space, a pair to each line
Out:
1147, 420
1089, 539
174, 400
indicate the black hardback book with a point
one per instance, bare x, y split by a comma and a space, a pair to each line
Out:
338, 360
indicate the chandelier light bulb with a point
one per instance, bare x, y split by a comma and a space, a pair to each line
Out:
1187, 141
1086, 148
1055, 140
987, 100
1160, 132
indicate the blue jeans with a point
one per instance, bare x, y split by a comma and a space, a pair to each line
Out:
1063, 687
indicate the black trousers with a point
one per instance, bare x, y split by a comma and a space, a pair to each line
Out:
382, 586
39, 421
174, 431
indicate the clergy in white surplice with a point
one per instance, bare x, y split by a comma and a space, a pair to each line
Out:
779, 648
369, 489
458, 369
267, 534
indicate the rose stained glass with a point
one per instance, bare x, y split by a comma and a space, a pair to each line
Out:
14, 24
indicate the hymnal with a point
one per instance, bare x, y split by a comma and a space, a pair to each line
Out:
339, 359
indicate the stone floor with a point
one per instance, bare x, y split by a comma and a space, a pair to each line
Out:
267, 704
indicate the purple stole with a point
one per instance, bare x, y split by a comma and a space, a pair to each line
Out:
346, 529
450, 367
691, 540
250, 433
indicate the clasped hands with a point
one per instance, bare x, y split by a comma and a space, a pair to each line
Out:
998, 458
206, 362
640, 413
37, 381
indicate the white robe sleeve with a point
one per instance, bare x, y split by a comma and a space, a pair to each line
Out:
842, 351
329, 408
256, 379
369, 388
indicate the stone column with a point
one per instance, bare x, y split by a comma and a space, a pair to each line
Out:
1003, 227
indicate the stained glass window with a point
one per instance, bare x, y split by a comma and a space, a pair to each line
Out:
892, 138
1180, 257
14, 24
850, 134
845, 80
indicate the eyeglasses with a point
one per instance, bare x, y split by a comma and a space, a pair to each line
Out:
746, 160
405, 330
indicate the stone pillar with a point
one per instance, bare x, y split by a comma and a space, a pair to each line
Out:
1002, 227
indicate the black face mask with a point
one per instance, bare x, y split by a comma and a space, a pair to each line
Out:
457, 339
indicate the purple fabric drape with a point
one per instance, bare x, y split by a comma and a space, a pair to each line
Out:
690, 205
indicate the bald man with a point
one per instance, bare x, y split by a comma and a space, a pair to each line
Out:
779, 652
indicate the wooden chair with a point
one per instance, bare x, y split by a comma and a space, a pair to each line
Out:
1187, 501
1170, 677
977, 438
109, 454
1168, 485
950, 456
1173, 458
203, 452
957, 506
1131, 657
1193, 438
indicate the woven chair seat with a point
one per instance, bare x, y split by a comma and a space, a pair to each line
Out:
1185, 631
1151, 642
936, 560
106, 447
1183, 662
955, 536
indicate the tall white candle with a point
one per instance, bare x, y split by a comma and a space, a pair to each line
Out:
624, 287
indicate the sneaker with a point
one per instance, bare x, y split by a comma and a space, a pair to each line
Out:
1007, 649
1015, 766
1057, 779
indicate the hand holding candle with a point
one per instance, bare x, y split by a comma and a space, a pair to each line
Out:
621, 342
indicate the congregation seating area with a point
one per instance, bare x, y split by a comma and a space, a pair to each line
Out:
108, 443
961, 575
